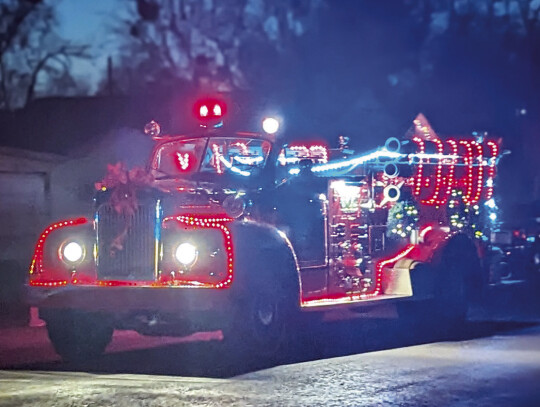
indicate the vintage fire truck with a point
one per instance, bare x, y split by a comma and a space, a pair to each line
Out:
233, 231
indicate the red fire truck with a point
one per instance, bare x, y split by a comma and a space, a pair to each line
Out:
232, 231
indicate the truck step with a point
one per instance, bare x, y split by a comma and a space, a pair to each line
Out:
348, 300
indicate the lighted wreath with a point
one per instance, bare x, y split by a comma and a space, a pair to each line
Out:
124, 185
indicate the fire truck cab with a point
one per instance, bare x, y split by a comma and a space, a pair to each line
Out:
232, 231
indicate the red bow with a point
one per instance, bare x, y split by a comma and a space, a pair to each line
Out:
124, 185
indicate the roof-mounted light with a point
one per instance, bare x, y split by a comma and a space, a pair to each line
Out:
210, 109
270, 125
203, 111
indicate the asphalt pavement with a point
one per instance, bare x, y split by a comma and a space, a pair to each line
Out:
370, 360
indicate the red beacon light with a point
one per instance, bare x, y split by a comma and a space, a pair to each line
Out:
210, 112
203, 111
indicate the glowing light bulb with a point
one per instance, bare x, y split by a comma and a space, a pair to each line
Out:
270, 125
73, 252
186, 254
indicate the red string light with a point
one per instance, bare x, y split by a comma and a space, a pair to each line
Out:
316, 150
385, 262
420, 169
479, 173
450, 176
216, 222
56, 283
182, 161
345, 298
445, 180
469, 162
37, 272
217, 158
243, 147
435, 198
491, 168
212, 222
37, 259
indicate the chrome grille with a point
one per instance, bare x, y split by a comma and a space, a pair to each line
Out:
136, 259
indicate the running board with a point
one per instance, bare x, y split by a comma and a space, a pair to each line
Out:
348, 299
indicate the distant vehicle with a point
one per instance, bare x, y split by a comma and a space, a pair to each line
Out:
230, 230
518, 244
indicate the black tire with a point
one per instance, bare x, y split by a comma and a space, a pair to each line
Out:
260, 321
452, 295
457, 275
461, 276
79, 336
534, 267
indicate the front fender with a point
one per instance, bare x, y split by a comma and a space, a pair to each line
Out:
48, 268
262, 251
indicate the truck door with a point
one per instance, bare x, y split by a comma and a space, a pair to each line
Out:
302, 215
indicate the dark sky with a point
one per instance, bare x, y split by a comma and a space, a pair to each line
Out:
362, 72
358, 72
346, 72
87, 22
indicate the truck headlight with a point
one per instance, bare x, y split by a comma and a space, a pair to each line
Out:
186, 254
72, 252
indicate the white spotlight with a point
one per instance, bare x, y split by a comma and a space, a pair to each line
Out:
270, 125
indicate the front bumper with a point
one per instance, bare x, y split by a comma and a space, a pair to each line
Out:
123, 300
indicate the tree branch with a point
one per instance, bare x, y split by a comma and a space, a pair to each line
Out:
19, 16
65, 51
4, 101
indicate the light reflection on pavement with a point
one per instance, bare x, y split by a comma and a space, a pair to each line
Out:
499, 370
493, 361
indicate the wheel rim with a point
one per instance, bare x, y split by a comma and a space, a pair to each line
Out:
267, 328
266, 313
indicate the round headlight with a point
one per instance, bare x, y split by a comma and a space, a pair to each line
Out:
186, 254
72, 252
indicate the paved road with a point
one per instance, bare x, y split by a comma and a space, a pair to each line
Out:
493, 361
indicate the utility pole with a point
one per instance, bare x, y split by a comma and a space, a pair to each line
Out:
110, 85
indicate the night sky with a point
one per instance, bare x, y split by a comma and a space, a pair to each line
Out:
361, 59
362, 72
87, 21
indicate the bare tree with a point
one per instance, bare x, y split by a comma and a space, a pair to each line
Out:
32, 54
506, 21
218, 45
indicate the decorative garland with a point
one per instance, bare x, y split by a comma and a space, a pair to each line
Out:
402, 219
467, 217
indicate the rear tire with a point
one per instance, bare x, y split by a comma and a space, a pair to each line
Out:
78, 336
453, 288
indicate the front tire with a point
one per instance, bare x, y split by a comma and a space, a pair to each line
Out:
78, 336
260, 320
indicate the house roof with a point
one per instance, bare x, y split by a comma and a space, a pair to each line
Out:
62, 125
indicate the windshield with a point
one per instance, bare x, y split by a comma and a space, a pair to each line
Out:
214, 155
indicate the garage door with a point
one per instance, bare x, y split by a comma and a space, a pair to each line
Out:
23, 210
